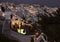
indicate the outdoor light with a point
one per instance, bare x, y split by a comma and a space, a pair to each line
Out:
3, 15
21, 31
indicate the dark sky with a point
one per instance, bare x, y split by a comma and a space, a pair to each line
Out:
41, 2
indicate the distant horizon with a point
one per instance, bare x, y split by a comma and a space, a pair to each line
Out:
52, 3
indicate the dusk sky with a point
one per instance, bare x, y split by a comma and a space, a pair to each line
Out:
41, 2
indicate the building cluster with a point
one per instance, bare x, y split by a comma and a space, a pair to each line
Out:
30, 14
27, 18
